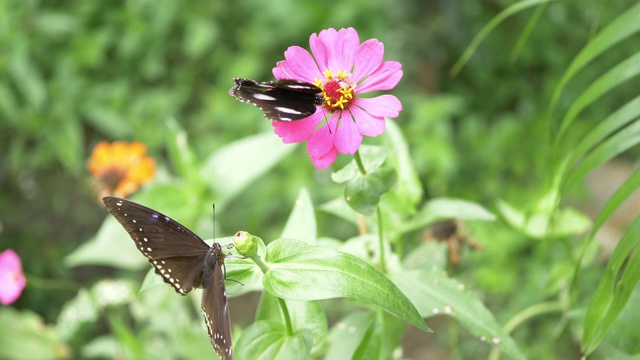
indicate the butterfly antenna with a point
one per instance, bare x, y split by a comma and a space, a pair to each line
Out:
214, 221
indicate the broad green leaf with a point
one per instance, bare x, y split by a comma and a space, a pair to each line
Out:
339, 207
301, 224
436, 294
232, 168
622, 27
614, 289
539, 225
269, 340
363, 193
409, 188
304, 315
518, 6
448, 208
24, 335
299, 271
111, 246
372, 158
620, 73
347, 334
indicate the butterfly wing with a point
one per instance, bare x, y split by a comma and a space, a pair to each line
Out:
214, 303
176, 253
281, 100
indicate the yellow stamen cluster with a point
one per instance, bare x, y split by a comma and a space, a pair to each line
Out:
340, 93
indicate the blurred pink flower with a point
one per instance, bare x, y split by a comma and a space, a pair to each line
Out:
12, 280
344, 69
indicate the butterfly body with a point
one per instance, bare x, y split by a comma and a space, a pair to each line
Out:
280, 100
183, 261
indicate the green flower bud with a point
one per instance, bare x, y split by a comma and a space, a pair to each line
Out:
246, 244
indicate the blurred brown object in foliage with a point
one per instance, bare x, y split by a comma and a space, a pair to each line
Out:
451, 232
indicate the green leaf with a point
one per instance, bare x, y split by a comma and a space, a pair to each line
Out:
622, 27
301, 224
518, 6
299, 271
614, 289
346, 335
382, 337
436, 294
111, 246
269, 340
624, 335
624, 140
409, 187
372, 158
448, 208
339, 207
539, 225
24, 335
232, 168
620, 118
620, 73
304, 315
363, 192
180, 153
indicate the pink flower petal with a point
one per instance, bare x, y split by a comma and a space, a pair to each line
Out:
368, 58
12, 280
345, 47
367, 124
381, 106
386, 77
322, 140
325, 160
319, 49
299, 65
347, 139
299, 130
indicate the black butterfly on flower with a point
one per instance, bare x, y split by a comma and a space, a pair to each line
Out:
280, 100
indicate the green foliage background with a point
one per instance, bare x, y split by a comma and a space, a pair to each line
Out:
73, 73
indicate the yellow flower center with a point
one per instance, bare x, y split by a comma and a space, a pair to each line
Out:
337, 90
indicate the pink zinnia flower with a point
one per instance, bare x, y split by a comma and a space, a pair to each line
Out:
344, 69
12, 279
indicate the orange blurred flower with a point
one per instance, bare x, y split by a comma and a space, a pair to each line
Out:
119, 168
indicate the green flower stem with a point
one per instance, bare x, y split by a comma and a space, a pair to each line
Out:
285, 314
363, 171
383, 264
359, 162
263, 267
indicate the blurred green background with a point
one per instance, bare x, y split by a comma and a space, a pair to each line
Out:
73, 73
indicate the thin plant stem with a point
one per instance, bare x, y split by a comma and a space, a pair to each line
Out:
359, 162
285, 315
383, 264
363, 171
